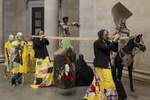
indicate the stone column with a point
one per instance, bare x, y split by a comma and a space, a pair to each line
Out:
1, 29
71, 8
87, 27
19, 16
51, 23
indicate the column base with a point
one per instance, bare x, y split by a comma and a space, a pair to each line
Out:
1, 57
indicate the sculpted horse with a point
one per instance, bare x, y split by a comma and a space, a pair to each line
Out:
125, 58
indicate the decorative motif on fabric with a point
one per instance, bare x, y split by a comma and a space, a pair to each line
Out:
94, 92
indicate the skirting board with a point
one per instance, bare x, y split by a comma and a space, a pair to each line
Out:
138, 74
1, 58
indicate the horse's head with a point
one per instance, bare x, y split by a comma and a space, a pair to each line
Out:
139, 43
135, 44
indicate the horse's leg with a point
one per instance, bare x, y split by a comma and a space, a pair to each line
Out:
113, 69
119, 86
130, 69
120, 69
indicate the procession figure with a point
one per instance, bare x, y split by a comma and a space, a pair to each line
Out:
43, 66
7, 52
64, 62
122, 29
84, 73
65, 27
103, 86
28, 57
17, 68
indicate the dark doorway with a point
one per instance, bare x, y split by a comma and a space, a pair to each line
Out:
37, 19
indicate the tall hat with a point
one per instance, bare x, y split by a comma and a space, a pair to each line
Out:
19, 34
120, 13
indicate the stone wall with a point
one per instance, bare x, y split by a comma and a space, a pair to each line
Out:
14, 17
70, 8
92, 15
1, 28
96, 14
8, 15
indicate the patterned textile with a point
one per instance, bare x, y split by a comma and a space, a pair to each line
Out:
8, 61
28, 58
16, 57
43, 72
102, 87
21, 56
66, 44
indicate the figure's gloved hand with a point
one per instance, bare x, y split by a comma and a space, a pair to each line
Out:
116, 37
75, 24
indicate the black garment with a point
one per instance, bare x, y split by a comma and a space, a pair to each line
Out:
102, 52
79, 64
18, 58
39, 46
39, 81
16, 79
120, 90
84, 73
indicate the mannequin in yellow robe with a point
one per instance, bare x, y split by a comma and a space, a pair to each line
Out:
7, 53
28, 58
17, 56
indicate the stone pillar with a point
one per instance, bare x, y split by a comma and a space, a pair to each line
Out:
14, 17
87, 27
51, 23
1, 29
70, 8
19, 16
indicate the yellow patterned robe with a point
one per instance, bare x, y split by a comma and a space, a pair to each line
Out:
41, 72
28, 58
7, 48
102, 87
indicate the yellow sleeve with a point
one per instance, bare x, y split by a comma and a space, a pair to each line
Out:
6, 47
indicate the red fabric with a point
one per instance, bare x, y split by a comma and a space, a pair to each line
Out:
92, 88
69, 76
